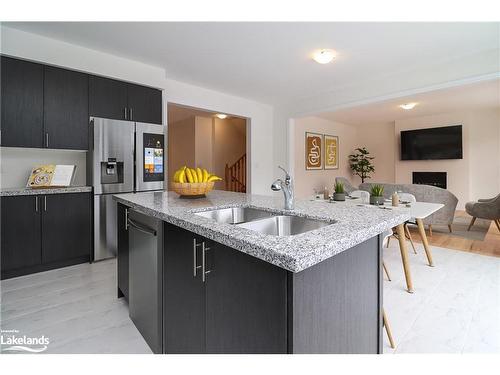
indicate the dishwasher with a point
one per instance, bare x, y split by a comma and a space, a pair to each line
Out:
145, 276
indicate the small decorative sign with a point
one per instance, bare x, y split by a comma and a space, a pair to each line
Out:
314, 154
331, 152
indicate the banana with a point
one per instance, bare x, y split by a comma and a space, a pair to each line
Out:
182, 176
189, 176
205, 175
199, 174
177, 174
214, 178
195, 175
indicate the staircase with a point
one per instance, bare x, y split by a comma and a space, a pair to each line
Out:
236, 175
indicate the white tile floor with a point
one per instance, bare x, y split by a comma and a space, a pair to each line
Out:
455, 307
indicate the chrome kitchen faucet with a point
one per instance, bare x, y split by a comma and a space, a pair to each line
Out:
287, 188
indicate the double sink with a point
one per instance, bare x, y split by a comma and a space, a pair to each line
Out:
265, 222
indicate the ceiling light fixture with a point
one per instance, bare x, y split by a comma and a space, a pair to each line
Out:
408, 106
324, 56
222, 116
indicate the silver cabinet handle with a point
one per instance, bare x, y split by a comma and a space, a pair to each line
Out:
131, 114
195, 263
36, 204
47, 139
45, 203
204, 272
142, 228
125, 112
126, 219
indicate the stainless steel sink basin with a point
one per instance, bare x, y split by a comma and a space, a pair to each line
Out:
235, 215
285, 225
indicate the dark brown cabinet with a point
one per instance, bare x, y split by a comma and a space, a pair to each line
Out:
66, 227
108, 98
22, 103
219, 300
48, 107
118, 100
42, 232
246, 304
21, 232
66, 113
145, 104
184, 292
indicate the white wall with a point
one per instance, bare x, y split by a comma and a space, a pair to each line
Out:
477, 174
380, 140
49, 51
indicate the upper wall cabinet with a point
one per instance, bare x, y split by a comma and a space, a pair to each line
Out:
66, 114
145, 104
108, 98
22, 103
122, 101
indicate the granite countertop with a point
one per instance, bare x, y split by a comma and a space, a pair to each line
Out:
9, 192
354, 225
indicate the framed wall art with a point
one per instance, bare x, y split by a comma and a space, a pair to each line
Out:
331, 151
314, 153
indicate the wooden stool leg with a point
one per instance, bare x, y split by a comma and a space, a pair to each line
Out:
410, 238
421, 230
471, 223
497, 222
404, 256
388, 329
449, 227
430, 230
386, 272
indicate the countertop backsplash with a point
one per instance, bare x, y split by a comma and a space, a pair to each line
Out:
17, 163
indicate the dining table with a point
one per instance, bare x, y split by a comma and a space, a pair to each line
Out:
418, 211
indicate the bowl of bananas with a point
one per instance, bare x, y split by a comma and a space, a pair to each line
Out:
193, 182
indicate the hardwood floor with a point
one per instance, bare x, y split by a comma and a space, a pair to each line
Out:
489, 246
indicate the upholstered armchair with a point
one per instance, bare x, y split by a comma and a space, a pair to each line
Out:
484, 209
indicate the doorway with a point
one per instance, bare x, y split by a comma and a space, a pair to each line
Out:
214, 141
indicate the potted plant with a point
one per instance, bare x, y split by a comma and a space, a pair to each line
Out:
361, 164
377, 195
339, 194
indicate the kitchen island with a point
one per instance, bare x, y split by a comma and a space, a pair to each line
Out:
199, 282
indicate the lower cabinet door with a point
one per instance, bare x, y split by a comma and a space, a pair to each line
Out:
21, 235
184, 292
246, 303
66, 226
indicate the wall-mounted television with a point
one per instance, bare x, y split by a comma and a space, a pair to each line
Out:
432, 144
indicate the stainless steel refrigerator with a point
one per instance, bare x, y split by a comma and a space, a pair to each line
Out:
125, 157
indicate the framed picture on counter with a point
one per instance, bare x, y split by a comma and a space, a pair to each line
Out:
314, 154
331, 151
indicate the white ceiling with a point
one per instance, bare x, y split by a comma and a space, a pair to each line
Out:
270, 62
179, 113
463, 98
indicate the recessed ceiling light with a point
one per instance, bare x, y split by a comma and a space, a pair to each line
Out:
408, 106
222, 116
324, 56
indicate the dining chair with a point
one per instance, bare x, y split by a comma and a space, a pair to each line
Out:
385, 323
364, 195
407, 197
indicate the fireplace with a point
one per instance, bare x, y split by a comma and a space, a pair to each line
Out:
437, 179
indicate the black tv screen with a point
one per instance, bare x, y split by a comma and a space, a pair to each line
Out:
432, 144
